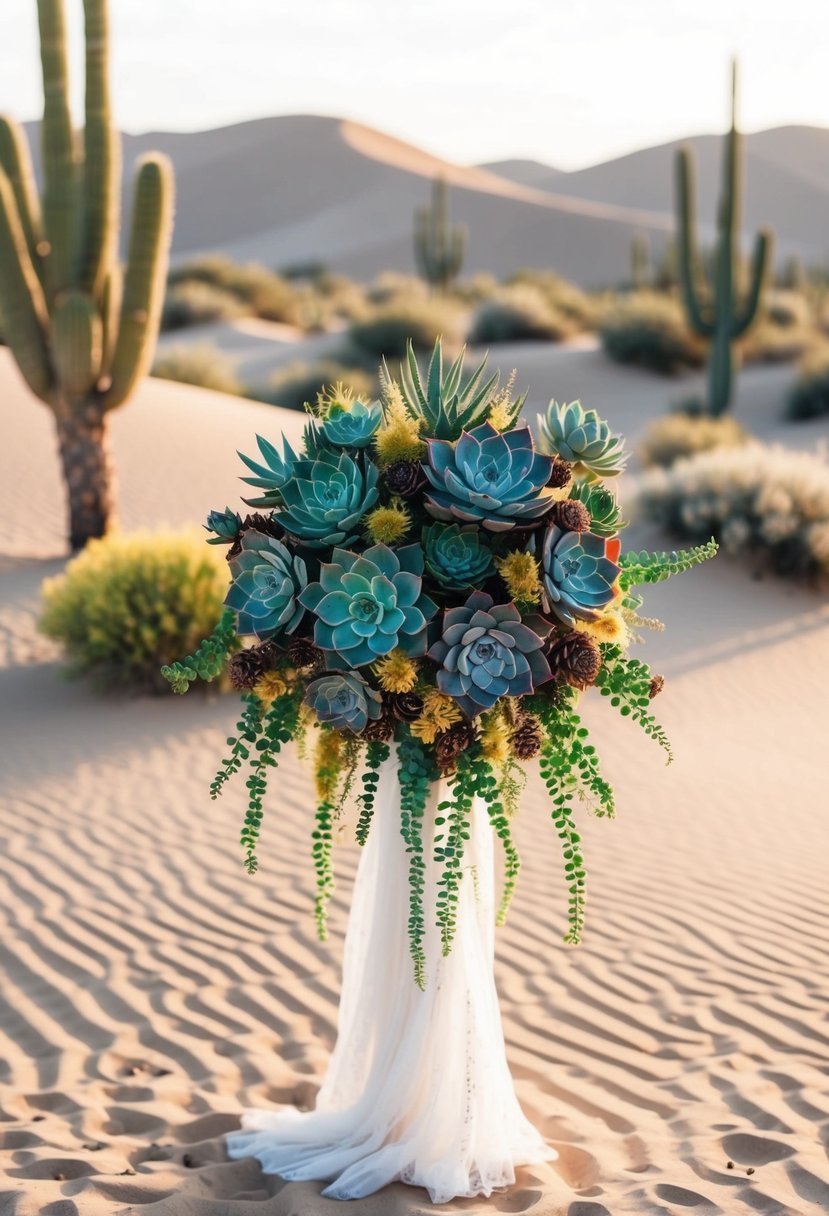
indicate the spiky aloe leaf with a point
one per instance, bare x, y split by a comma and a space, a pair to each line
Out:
446, 404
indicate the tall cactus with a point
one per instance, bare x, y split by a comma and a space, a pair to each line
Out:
80, 342
438, 245
640, 261
716, 313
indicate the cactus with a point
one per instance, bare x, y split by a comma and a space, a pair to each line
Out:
718, 315
80, 340
438, 245
641, 272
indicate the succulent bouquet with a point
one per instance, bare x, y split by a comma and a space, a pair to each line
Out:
423, 575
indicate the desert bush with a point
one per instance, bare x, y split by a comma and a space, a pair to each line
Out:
809, 397
787, 309
475, 289
650, 331
297, 383
392, 287
754, 499
195, 303
130, 603
264, 293
517, 314
768, 343
562, 296
385, 330
675, 436
202, 366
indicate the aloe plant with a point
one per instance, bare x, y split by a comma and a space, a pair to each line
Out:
715, 313
81, 330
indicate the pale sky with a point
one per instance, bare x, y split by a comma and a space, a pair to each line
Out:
569, 82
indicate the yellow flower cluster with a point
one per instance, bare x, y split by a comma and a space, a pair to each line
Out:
270, 686
495, 737
398, 437
388, 524
339, 395
520, 573
438, 714
608, 628
396, 672
328, 764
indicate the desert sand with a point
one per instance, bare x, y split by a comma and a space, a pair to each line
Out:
151, 990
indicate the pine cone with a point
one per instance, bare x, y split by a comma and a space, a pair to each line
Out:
305, 655
380, 730
575, 658
561, 474
656, 686
571, 515
405, 706
527, 738
246, 667
405, 477
450, 743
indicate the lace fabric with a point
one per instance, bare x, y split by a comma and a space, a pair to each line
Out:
417, 1088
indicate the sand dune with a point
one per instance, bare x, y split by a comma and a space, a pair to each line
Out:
151, 989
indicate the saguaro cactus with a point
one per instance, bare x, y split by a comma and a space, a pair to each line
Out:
715, 313
438, 245
82, 334
640, 261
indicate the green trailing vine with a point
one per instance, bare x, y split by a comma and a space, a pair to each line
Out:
416, 773
645, 567
208, 661
248, 730
278, 727
627, 683
323, 843
450, 846
376, 755
558, 763
489, 791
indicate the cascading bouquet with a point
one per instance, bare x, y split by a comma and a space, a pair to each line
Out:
422, 576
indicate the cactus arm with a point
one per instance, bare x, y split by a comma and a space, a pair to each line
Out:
145, 278
59, 168
102, 160
110, 315
76, 345
16, 162
760, 268
22, 303
687, 245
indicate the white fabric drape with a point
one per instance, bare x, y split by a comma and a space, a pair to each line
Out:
417, 1088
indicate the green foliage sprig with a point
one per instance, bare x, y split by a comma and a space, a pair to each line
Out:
207, 662
454, 814
489, 791
416, 773
627, 683
559, 764
248, 727
323, 843
644, 567
376, 754
278, 727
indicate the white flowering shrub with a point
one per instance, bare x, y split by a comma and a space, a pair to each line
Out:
753, 499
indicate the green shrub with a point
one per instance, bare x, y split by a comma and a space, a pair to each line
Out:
518, 314
130, 603
650, 331
767, 343
385, 330
202, 366
195, 303
392, 287
810, 396
787, 310
562, 297
265, 294
754, 499
678, 435
297, 383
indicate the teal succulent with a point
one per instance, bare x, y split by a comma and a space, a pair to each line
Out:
368, 604
495, 480
225, 526
343, 700
447, 404
459, 558
581, 437
354, 426
605, 516
327, 496
267, 581
487, 651
273, 475
579, 572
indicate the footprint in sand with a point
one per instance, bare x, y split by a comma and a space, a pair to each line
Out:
754, 1150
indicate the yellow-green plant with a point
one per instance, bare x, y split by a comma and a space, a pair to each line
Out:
81, 330
131, 603
675, 436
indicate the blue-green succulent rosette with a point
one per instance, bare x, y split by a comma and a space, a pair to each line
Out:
458, 557
369, 604
579, 574
487, 651
267, 582
325, 500
582, 438
497, 481
353, 425
343, 700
